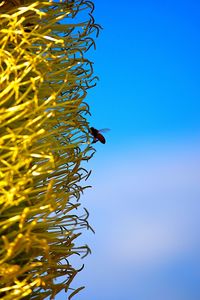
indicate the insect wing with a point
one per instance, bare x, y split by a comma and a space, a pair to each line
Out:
104, 130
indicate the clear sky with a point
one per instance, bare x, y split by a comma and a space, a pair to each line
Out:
144, 205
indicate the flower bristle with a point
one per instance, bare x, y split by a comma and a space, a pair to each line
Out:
44, 139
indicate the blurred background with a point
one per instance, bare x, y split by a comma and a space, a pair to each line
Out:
144, 204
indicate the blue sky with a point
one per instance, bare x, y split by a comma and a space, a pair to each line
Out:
144, 205
148, 60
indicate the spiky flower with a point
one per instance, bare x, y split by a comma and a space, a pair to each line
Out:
44, 139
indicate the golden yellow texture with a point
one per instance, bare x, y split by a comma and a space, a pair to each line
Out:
44, 140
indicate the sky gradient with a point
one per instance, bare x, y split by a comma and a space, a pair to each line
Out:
144, 205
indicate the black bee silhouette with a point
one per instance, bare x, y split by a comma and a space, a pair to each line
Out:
97, 136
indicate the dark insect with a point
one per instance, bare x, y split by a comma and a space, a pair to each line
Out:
97, 136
